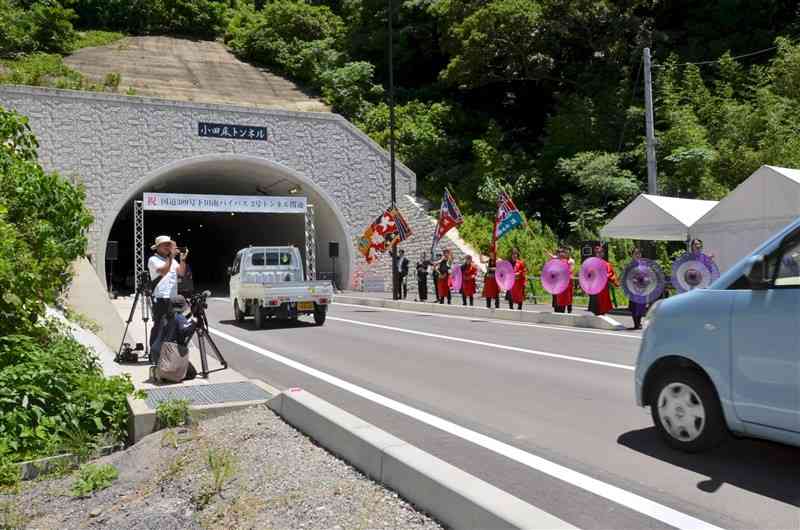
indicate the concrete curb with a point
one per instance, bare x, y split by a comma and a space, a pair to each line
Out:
454, 497
534, 317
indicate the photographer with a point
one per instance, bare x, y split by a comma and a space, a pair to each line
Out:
164, 272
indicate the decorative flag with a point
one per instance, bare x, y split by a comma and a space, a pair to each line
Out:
508, 218
387, 230
449, 216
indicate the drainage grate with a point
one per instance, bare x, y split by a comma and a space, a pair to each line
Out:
208, 394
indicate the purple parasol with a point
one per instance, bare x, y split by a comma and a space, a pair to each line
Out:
643, 281
456, 278
504, 275
593, 276
556, 275
693, 271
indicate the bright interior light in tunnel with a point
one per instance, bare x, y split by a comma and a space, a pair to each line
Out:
295, 190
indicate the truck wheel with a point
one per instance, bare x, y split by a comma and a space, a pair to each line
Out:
319, 315
258, 316
237, 313
687, 412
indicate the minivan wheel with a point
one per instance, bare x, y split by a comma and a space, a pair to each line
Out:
237, 312
686, 411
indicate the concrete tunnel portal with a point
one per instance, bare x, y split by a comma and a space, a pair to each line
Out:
214, 238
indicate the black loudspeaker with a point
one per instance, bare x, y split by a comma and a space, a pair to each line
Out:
333, 249
112, 251
587, 249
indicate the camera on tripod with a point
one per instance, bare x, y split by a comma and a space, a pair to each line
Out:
198, 303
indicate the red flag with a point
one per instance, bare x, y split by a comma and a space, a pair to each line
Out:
449, 216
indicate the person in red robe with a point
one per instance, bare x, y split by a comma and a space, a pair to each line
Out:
520, 278
600, 303
563, 300
469, 284
490, 289
443, 278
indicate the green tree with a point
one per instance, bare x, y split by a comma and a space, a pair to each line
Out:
603, 189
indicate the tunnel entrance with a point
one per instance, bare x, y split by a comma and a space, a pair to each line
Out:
213, 238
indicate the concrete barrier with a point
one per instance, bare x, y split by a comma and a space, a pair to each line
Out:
533, 317
451, 495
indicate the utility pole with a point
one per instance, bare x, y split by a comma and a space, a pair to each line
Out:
652, 171
395, 278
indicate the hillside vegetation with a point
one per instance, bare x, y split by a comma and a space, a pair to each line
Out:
542, 98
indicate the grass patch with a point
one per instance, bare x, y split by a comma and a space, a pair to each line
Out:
42, 69
172, 413
90, 39
93, 477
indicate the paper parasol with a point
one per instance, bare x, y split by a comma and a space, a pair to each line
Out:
504, 275
556, 275
643, 281
693, 271
456, 278
594, 276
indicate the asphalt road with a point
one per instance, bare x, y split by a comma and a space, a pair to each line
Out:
545, 413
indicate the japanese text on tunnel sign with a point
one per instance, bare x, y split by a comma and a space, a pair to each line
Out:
234, 132
187, 202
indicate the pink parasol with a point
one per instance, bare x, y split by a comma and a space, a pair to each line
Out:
504, 275
556, 276
456, 278
593, 276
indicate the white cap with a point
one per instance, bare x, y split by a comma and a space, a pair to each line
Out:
160, 240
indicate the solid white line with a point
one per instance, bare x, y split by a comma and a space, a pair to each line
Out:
625, 498
487, 344
496, 321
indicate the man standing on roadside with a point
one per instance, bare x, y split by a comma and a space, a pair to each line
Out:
402, 272
164, 272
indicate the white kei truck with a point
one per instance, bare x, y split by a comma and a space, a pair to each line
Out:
269, 282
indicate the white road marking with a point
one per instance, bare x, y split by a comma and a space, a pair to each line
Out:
630, 500
497, 321
487, 344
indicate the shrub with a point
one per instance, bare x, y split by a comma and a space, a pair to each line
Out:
45, 26
196, 18
348, 88
52, 392
295, 38
93, 477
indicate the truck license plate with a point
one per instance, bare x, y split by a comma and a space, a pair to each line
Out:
305, 306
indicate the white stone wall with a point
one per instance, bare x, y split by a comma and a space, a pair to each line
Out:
111, 142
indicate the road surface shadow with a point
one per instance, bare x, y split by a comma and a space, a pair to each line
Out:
762, 467
269, 325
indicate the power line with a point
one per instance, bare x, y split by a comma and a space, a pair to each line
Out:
716, 61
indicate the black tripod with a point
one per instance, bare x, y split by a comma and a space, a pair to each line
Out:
125, 352
198, 306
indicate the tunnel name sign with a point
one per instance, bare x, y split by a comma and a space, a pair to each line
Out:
235, 132
188, 202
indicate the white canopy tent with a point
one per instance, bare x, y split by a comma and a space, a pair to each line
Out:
657, 218
759, 207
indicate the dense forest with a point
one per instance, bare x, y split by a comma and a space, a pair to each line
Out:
543, 98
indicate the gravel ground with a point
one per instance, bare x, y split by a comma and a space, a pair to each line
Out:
280, 479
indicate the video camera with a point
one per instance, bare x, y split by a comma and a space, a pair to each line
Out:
198, 303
